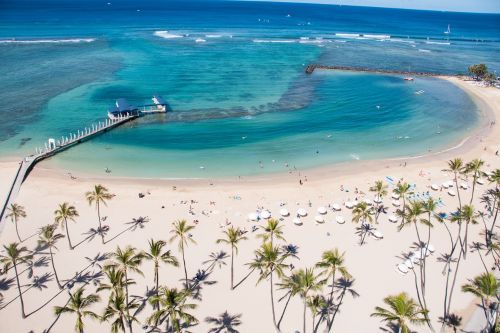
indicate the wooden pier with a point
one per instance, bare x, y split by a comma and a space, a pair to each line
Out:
312, 67
53, 147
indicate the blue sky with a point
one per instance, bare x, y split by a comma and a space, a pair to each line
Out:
477, 6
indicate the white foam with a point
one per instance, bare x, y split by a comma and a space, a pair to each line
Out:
165, 34
48, 41
312, 41
355, 157
200, 40
273, 41
376, 36
347, 35
424, 50
438, 43
213, 36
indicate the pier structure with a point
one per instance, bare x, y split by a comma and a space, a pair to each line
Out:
121, 113
312, 67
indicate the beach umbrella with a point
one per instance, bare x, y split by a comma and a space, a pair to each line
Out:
480, 181
349, 204
430, 248
319, 219
402, 268
297, 221
284, 212
301, 212
435, 187
377, 199
395, 203
464, 186
393, 218
395, 196
408, 263
336, 207
377, 234
321, 210
451, 193
265, 214
340, 219
368, 202
253, 217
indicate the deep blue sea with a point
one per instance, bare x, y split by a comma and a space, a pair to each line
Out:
233, 75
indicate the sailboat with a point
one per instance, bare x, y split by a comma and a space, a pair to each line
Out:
448, 31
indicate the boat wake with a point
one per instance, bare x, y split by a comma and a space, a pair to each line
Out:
165, 34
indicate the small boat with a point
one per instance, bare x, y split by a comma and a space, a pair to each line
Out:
448, 31
408, 78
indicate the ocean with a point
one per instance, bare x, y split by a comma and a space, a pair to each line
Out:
233, 76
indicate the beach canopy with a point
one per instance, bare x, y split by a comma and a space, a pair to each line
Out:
284, 212
435, 187
368, 202
393, 218
395, 196
336, 207
408, 263
319, 219
451, 193
377, 199
340, 219
321, 210
297, 221
395, 203
301, 212
464, 186
480, 181
265, 214
349, 204
430, 248
253, 217
403, 268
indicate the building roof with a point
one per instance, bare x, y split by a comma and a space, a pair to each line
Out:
122, 105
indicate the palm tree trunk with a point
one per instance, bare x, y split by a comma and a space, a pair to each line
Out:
333, 285
67, 234
157, 305
99, 218
19, 290
129, 321
184, 263
336, 309
304, 315
284, 309
232, 267
272, 301
17, 231
453, 283
54, 268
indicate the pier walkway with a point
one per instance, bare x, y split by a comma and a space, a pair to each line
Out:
53, 147
312, 67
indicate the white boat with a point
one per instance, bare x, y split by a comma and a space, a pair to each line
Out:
448, 31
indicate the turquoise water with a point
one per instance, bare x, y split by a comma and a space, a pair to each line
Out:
234, 78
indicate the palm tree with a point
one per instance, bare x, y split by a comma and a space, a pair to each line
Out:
181, 233
47, 239
15, 213
362, 212
303, 282
157, 255
78, 304
469, 215
272, 230
64, 213
317, 305
332, 261
403, 189
233, 236
269, 260
116, 281
173, 309
474, 168
118, 311
14, 256
126, 261
100, 195
486, 287
224, 323
380, 190
403, 310
457, 167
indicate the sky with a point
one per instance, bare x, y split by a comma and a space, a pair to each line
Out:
476, 6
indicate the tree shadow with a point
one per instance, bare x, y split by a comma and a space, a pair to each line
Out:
139, 222
6, 283
197, 283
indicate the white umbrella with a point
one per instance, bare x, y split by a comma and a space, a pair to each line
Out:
297, 221
284, 212
336, 207
464, 186
319, 219
408, 263
395, 196
265, 214
480, 181
340, 219
301, 212
377, 234
393, 218
253, 217
349, 204
430, 248
395, 203
435, 187
368, 202
377, 199
452, 193
402, 268
321, 210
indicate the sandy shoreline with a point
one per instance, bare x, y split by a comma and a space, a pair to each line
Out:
372, 265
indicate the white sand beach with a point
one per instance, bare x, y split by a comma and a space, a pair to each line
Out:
222, 202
